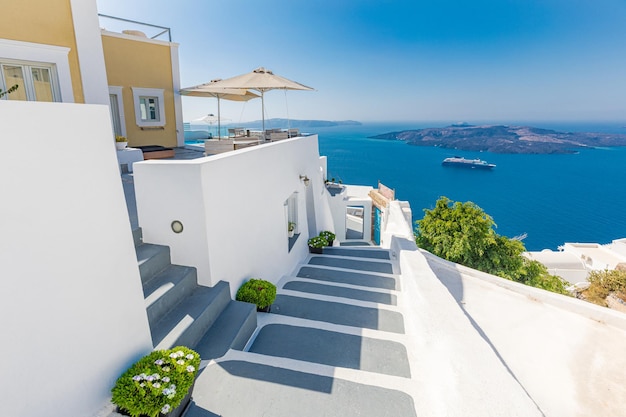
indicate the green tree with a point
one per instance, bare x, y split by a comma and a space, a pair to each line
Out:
465, 234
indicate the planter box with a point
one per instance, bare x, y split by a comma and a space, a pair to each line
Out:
316, 250
177, 412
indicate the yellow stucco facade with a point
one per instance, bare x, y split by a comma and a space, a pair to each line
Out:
135, 62
49, 23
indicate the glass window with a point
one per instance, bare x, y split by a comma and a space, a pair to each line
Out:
35, 82
42, 84
149, 109
13, 75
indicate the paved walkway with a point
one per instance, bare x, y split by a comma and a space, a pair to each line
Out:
334, 344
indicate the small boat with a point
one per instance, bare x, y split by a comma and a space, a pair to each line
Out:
467, 163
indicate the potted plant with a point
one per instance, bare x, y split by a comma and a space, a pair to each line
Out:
329, 236
120, 142
259, 292
316, 244
291, 229
158, 384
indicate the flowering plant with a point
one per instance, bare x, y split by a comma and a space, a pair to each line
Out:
157, 383
317, 242
119, 138
329, 236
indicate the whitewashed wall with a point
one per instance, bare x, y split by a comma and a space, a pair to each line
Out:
354, 195
232, 209
71, 302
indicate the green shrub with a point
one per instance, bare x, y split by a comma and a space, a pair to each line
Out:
602, 283
329, 236
157, 383
317, 242
257, 291
291, 226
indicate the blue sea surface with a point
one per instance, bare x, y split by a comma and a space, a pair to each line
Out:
552, 198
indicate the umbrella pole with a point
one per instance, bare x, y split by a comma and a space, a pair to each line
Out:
219, 126
263, 112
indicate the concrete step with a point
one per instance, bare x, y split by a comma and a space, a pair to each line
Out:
167, 289
355, 264
335, 291
333, 348
137, 236
187, 323
349, 277
152, 259
339, 313
231, 330
373, 253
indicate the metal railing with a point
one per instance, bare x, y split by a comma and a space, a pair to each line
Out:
117, 24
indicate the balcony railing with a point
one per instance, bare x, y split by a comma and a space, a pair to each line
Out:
117, 24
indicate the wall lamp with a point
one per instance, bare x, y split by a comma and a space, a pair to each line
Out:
305, 180
177, 226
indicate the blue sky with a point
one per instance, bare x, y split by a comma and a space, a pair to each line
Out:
404, 60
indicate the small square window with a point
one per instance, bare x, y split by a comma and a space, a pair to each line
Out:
149, 109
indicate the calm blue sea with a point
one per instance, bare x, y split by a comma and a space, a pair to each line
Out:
552, 198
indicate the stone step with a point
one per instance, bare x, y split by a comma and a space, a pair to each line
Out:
333, 348
358, 253
355, 264
152, 259
339, 313
187, 323
231, 330
335, 291
349, 277
137, 237
167, 289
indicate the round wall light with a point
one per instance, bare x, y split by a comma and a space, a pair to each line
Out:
177, 226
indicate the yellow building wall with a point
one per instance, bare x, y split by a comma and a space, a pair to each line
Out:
144, 64
46, 22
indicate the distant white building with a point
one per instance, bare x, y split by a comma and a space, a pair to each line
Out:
574, 261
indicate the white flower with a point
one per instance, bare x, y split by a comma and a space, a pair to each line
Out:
173, 355
190, 368
156, 385
142, 385
166, 369
189, 356
149, 378
158, 362
156, 376
165, 409
180, 362
137, 378
166, 379
180, 353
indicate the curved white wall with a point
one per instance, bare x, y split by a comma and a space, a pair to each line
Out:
232, 209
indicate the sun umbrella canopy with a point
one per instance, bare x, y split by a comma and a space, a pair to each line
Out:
262, 80
211, 89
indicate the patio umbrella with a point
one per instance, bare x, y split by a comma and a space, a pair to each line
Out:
261, 80
211, 89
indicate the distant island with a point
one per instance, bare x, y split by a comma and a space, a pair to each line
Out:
505, 139
300, 124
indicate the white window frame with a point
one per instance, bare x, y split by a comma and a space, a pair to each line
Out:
35, 54
29, 82
138, 93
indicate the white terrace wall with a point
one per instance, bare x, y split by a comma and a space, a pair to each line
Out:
232, 207
71, 302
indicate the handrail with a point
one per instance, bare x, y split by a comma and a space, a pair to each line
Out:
165, 29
